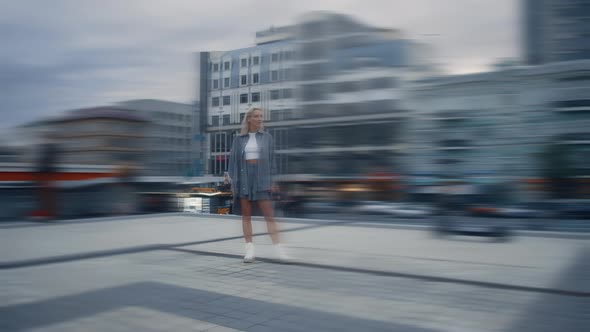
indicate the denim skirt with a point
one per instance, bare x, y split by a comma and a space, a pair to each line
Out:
252, 193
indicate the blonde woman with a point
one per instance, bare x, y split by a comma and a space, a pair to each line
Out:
251, 169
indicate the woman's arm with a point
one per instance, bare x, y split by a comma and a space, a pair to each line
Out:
271, 157
272, 164
232, 168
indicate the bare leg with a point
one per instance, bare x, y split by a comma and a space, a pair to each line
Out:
246, 219
271, 225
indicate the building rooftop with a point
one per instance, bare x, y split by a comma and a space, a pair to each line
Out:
101, 112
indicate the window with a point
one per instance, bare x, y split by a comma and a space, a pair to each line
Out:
312, 92
219, 143
274, 57
255, 61
274, 94
289, 74
289, 55
244, 79
255, 97
244, 98
226, 82
346, 87
274, 115
215, 101
312, 71
244, 62
226, 100
287, 114
242, 115
255, 78
287, 93
215, 120
215, 84
215, 67
379, 83
274, 75
226, 119
280, 137
226, 65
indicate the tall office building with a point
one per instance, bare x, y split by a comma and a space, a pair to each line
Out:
332, 88
556, 30
234, 81
350, 88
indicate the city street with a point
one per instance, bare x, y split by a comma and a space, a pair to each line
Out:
184, 272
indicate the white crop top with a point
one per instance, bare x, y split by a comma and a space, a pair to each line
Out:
251, 148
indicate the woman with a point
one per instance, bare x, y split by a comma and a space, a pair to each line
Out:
251, 168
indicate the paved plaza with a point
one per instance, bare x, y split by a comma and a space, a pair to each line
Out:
181, 272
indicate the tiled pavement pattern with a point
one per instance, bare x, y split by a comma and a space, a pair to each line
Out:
346, 278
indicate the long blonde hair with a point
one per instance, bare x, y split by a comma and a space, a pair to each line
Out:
244, 130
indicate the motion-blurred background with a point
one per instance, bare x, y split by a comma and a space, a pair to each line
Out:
376, 107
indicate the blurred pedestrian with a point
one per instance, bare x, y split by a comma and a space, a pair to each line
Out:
124, 191
226, 185
251, 170
45, 179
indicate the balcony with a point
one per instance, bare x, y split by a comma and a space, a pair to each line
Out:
450, 116
575, 139
454, 145
576, 105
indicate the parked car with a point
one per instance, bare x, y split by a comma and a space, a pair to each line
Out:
516, 211
572, 208
331, 207
522, 210
470, 215
396, 209
373, 208
446, 225
412, 210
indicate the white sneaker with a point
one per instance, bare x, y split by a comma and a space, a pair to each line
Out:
249, 257
281, 254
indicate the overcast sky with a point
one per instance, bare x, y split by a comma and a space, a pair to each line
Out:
58, 55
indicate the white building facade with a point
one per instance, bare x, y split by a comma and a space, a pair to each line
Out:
500, 123
233, 82
331, 88
170, 147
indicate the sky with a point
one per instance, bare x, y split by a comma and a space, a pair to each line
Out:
60, 55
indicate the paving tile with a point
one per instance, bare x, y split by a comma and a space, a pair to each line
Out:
172, 290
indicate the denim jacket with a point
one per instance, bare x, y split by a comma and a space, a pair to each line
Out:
266, 163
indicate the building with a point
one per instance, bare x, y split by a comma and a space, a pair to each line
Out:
347, 99
234, 81
170, 137
500, 124
17, 145
556, 30
332, 88
350, 92
108, 136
